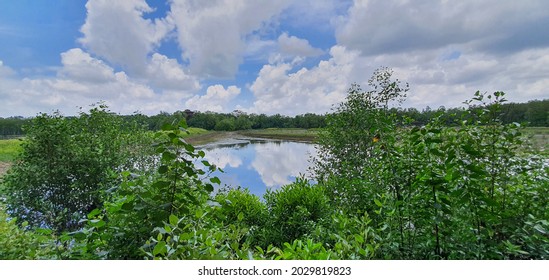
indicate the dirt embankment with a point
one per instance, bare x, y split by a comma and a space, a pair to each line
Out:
4, 166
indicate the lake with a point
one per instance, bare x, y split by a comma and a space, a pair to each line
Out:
258, 164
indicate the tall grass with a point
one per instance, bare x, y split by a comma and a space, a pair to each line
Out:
9, 149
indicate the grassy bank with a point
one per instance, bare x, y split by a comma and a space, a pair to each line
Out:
283, 133
9, 149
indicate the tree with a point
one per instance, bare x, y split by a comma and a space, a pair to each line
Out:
227, 124
359, 126
64, 167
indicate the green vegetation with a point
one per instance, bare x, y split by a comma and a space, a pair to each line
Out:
65, 166
9, 149
283, 133
533, 113
16, 243
100, 187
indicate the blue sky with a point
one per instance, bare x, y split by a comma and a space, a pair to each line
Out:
287, 56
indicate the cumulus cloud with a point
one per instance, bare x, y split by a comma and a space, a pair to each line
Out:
167, 73
292, 46
378, 27
446, 50
79, 65
117, 32
216, 99
83, 80
278, 89
212, 33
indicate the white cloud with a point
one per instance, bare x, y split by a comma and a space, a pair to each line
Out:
215, 99
381, 27
83, 80
212, 33
278, 90
79, 65
117, 32
167, 73
292, 46
440, 82
446, 50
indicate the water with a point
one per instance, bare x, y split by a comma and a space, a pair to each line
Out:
259, 165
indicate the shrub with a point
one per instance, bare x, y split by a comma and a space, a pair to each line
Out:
64, 165
295, 211
240, 205
18, 244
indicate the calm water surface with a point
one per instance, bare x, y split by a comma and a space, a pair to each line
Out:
259, 165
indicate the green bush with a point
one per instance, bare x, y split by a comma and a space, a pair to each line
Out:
295, 211
19, 244
145, 201
65, 165
240, 205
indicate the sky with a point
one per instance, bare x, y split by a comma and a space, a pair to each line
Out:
261, 56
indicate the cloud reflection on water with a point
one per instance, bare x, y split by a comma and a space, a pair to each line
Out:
258, 165
278, 163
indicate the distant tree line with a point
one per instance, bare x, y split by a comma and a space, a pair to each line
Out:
12, 126
533, 113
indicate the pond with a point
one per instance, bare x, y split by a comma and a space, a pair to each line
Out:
258, 164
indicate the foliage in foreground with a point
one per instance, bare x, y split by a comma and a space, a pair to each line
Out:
65, 166
436, 192
18, 244
382, 192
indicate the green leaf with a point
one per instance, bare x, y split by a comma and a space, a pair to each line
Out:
173, 220
94, 213
160, 184
79, 235
378, 203
199, 214
189, 148
160, 248
168, 156
97, 223
162, 169
44, 231
127, 206
208, 187
540, 229
215, 180
470, 150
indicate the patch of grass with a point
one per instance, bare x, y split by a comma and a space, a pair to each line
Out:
283, 133
9, 149
196, 131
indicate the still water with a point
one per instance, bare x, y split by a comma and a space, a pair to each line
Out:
259, 165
